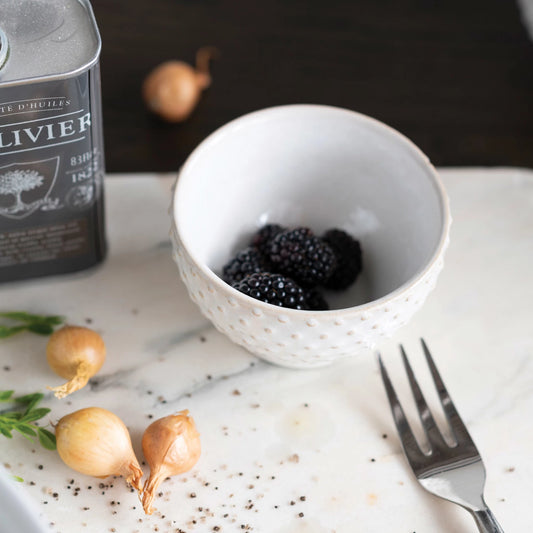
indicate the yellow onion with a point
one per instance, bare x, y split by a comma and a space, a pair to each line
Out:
172, 90
171, 446
94, 441
74, 353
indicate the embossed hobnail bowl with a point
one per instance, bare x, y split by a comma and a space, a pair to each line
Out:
321, 167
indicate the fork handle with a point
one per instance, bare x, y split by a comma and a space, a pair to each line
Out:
486, 521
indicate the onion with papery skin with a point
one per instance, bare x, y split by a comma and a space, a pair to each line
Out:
75, 353
94, 441
172, 90
171, 446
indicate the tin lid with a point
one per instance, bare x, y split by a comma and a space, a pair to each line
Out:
48, 39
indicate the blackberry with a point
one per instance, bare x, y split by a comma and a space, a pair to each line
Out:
302, 256
273, 289
262, 239
315, 301
247, 261
349, 259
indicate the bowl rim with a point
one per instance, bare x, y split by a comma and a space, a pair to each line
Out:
238, 122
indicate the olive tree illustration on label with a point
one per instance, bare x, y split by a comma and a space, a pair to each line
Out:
26, 187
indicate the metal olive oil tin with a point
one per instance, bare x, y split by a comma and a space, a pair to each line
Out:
51, 142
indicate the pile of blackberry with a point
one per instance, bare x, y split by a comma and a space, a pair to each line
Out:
284, 267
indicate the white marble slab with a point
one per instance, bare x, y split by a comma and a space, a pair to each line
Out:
323, 439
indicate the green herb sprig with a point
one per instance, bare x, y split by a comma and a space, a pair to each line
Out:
20, 417
40, 324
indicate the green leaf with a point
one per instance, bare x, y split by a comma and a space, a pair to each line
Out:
30, 400
6, 331
6, 432
5, 395
26, 429
18, 479
47, 439
11, 415
40, 324
40, 328
19, 418
35, 414
22, 316
54, 320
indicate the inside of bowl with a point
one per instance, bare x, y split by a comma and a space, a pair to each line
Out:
319, 167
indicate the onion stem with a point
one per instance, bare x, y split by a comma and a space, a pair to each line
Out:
83, 373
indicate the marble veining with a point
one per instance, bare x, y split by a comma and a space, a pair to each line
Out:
286, 451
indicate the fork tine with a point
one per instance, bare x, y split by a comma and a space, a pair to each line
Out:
408, 440
428, 422
459, 429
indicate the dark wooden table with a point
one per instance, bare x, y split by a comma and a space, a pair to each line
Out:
455, 76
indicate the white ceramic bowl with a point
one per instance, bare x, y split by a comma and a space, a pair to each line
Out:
18, 513
320, 167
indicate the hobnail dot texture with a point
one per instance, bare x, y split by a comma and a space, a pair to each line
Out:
293, 340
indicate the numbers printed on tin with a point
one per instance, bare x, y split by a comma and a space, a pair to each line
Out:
88, 164
80, 159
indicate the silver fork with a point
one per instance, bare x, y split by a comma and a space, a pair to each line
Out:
455, 473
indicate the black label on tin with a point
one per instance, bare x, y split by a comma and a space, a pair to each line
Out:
51, 175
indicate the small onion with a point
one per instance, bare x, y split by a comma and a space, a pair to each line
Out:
171, 446
94, 441
172, 90
74, 353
